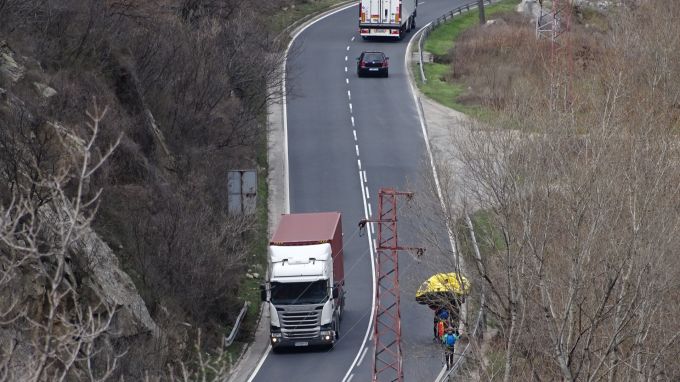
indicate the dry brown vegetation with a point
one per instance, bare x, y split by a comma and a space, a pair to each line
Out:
578, 205
186, 85
498, 61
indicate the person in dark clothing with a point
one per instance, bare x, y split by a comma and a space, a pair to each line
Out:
449, 342
440, 315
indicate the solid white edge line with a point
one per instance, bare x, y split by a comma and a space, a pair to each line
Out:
363, 354
348, 377
285, 148
421, 117
259, 364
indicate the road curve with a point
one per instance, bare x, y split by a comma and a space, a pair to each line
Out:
347, 137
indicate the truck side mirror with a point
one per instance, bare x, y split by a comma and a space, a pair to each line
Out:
263, 293
336, 292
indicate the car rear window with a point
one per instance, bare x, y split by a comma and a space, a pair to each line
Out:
373, 57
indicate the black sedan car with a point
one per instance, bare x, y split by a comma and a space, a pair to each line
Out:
373, 63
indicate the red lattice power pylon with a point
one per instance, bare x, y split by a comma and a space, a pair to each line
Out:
555, 25
387, 356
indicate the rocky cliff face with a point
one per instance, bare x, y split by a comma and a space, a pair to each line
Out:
63, 294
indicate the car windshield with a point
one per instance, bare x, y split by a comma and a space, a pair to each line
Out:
299, 293
373, 57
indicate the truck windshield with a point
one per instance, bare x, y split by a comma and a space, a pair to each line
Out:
299, 293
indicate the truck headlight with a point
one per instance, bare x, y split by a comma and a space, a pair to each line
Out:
326, 335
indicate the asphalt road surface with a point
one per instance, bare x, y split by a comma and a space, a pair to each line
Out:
348, 137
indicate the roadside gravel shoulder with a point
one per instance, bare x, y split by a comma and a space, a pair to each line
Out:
444, 128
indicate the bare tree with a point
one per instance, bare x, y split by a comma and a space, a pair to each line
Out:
579, 215
53, 329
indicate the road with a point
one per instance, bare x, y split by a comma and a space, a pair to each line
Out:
347, 137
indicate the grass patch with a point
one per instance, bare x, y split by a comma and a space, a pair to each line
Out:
442, 38
439, 43
445, 92
489, 237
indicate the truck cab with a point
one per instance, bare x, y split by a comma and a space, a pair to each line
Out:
305, 287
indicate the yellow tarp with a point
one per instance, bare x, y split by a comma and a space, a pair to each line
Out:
444, 283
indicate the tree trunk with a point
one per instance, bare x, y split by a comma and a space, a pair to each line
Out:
482, 17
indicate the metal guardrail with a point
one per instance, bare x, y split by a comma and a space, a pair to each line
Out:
478, 329
439, 20
234, 331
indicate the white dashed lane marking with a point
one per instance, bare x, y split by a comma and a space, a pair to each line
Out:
367, 211
362, 357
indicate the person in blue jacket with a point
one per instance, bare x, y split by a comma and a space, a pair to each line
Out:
449, 342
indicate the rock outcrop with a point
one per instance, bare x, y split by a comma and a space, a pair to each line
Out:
9, 67
115, 287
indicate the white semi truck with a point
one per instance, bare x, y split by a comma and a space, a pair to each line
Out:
305, 288
386, 18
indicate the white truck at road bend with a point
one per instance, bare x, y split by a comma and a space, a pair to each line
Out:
305, 288
386, 18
